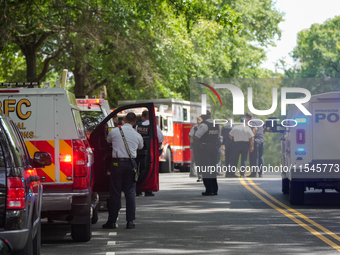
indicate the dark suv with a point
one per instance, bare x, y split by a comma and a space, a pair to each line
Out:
20, 192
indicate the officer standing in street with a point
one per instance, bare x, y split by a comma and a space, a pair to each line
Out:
208, 137
243, 138
121, 174
193, 146
144, 131
256, 156
228, 144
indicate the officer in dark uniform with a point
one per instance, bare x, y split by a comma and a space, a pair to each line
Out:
144, 130
208, 137
121, 174
228, 145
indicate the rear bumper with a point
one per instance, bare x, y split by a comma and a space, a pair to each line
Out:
61, 201
73, 207
16, 238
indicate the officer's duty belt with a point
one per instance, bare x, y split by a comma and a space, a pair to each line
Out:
120, 159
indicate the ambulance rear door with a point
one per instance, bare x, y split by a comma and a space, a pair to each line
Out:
148, 179
27, 110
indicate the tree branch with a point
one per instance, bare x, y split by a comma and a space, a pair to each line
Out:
47, 62
97, 86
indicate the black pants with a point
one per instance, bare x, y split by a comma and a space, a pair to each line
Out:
122, 179
208, 157
240, 148
210, 182
256, 157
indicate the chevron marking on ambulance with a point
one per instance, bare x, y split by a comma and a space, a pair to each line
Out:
46, 146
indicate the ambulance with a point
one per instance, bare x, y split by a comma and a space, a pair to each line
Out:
175, 118
49, 120
310, 147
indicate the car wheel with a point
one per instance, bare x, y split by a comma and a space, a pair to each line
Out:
168, 165
81, 232
95, 214
285, 186
28, 249
37, 241
296, 193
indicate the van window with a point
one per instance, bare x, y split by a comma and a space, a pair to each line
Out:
79, 124
185, 114
91, 119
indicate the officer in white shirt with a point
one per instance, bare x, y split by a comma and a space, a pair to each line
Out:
243, 138
122, 176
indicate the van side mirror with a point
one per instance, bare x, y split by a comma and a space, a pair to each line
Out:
41, 159
271, 125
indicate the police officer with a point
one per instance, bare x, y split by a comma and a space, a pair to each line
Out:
256, 156
193, 146
243, 138
144, 131
122, 176
228, 143
208, 137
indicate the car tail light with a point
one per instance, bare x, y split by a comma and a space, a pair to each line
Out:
300, 136
15, 193
80, 165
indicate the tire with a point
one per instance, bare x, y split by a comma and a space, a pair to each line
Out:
37, 241
28, 249
168, 165
184, 169
81, 232
95, 214
285, 186
296, 193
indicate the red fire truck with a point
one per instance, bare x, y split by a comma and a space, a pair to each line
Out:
175, 118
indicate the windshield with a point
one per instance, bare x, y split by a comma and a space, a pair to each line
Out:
91, 119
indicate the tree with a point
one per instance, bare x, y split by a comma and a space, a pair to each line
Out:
317, 51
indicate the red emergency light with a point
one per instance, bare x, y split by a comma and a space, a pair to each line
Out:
90, 101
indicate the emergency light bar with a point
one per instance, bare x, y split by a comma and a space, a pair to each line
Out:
90, 101
301, 120
19, 84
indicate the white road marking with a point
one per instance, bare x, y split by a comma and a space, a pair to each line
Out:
112, 233
111, 243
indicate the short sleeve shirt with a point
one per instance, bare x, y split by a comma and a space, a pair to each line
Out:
241, 133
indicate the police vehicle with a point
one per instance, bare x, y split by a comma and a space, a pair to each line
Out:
49, 120
310, 148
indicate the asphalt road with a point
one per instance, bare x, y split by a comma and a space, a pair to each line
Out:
248, 216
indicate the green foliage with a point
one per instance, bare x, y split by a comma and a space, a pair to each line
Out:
138, 49
318, 51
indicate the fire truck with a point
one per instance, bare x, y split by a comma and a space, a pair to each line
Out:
175, 118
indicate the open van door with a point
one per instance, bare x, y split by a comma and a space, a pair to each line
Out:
148, 157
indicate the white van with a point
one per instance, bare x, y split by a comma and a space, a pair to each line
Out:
311, 149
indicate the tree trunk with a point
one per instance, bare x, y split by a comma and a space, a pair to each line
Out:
79, 78
31, 62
